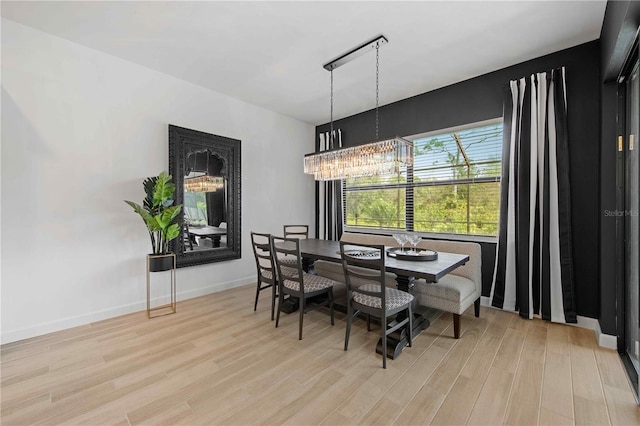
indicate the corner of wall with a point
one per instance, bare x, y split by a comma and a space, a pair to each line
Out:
604, 340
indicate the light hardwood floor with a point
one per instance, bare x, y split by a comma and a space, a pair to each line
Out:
218, 362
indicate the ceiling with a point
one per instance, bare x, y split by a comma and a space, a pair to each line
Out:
271, 53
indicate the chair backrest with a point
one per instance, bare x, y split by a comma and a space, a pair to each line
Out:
364, 264
286, 255
261, 244
296, 231
186, 236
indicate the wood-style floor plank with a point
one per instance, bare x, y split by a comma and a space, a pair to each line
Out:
216, 361
557, 390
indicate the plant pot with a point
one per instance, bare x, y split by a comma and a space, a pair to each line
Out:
161, 262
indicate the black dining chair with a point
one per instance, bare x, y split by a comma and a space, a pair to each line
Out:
293, 281
364, 273
187, 238
296, 231
267, 275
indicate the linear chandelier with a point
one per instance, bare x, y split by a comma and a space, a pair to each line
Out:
204, 183
381, 157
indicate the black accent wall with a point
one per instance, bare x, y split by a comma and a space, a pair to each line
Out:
481, 98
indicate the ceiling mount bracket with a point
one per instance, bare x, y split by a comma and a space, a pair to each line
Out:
356, 52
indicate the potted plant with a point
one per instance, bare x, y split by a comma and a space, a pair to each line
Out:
161, 217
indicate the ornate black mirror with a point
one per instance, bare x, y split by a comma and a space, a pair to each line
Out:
206, 171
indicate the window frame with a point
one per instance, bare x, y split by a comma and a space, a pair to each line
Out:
410, 184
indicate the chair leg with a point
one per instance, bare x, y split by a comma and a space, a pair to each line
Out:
301, 317
349, 319
331, 305
383, 320
410, 330
273, 299
258, 285
476, 307
280, 301
368, 322
456, 326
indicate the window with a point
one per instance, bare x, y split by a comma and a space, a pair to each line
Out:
195, 208
453, 187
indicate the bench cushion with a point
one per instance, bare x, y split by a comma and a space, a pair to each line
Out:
452, 293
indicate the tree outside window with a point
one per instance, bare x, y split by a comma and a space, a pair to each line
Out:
454, 189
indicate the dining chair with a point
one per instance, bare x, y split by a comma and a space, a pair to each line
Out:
223, 238
187, 237
296, 231
267, 276
364, 273
294, 282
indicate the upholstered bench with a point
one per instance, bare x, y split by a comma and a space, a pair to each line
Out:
454, 292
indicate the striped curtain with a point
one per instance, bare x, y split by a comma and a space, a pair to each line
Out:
330, 195
534, 262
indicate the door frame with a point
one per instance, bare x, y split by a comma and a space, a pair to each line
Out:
621, 171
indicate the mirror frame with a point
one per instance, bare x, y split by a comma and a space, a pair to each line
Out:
183, 142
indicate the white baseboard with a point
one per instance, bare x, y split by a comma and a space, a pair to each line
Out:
608, 341
70, 322
604, 340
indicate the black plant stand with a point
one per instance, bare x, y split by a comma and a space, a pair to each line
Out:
159, 263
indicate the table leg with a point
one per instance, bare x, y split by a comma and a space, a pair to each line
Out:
216, 240
307, 264
397, 340
290, 305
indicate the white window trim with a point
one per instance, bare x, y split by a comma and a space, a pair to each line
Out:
455, 129
427, 235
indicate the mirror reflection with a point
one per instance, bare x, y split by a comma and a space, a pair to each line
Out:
205, 201
206, 171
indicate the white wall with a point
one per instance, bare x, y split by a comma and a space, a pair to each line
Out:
80, 131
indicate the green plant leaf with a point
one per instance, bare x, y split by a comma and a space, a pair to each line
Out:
146, 217
173, 211
154, 224
149, 187
157, 211
166, 217
164, 190
172, 232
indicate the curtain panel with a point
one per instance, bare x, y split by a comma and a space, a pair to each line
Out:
330, 194
534, 261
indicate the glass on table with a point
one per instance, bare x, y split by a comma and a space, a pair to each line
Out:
414, 239
401, 239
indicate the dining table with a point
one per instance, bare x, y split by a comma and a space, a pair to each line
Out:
213, 232
406, 272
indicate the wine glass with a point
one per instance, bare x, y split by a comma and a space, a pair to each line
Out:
414, 239
401, 239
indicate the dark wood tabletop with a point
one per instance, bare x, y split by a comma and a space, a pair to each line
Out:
207, 230
431, 270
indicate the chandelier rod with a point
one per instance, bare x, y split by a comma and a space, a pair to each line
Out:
331, 134
377, 78
355, 52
